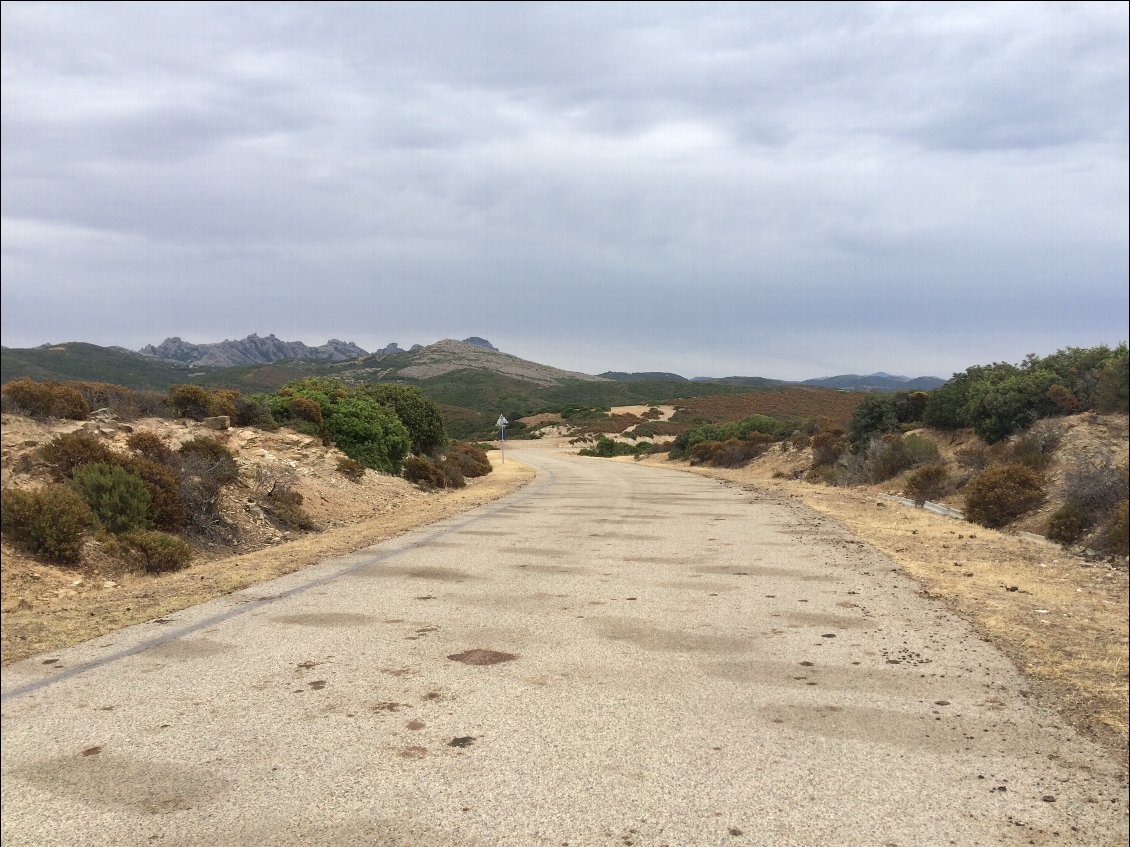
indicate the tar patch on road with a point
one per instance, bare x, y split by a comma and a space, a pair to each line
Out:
482, 657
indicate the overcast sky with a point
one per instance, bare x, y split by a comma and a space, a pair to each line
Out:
790, 190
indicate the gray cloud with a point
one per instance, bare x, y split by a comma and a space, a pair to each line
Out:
779, 189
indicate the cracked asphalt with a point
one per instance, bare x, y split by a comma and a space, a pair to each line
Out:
614, 655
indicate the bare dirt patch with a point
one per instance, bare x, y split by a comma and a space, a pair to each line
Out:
482, 657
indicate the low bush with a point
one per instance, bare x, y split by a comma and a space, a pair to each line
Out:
1114, 537
827, 447
65, 452
452, 474
471, 459
928, 482
1095, 486
1002, 493
1035, 447
731, 453
210, 456
156, 552
190, 401
284, 505
973, 457
253, 411
1067, 525
47, 399
424, 472
152, 447
127, 403
118, 499
351, 469
167, 508
607, 448
49, 522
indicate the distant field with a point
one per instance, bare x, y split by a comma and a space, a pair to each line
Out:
795, 403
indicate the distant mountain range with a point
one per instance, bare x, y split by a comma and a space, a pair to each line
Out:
256, 350
877, 382
263, 361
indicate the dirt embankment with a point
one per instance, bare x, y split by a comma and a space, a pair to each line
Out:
45, 607
1061, 617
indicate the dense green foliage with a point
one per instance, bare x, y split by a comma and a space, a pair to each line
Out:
417, 412
1000, 399
118, 499
362, 427
49, 522
882, 413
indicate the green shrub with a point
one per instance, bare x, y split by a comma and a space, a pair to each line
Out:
1115, 535
351, 469
419, 414
607, 448
1035, 447
1002, 493
1067, 525
167, 509
63, 453
370, 433
890, 455
1112, 392
471, 459
47, 399
118, 499
211, 454
49, 522
928, 482
157, 552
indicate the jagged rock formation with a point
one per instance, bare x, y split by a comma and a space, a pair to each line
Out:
252, 350
390, 349
480, 342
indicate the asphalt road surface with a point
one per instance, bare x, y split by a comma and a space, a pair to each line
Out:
614, 655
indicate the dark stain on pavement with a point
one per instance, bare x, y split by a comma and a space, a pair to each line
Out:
482, 657
109, 781
432, 574
329, 620
196, 648
648, 636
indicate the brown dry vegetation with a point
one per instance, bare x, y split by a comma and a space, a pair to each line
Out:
795, 403
45, 607
1061, 617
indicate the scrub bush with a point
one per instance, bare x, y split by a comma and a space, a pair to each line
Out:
49, 522
118, 499
157, 552
1002, 493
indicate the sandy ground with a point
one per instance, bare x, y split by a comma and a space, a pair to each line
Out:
1062, 619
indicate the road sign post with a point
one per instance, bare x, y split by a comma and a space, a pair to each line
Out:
501, 424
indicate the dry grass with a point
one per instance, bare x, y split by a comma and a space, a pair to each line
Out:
1061, 619
796, 403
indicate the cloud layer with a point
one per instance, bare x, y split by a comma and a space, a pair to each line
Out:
786, 190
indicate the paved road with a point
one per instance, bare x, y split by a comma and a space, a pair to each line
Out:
693, 665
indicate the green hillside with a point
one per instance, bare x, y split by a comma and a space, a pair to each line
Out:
76, 360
